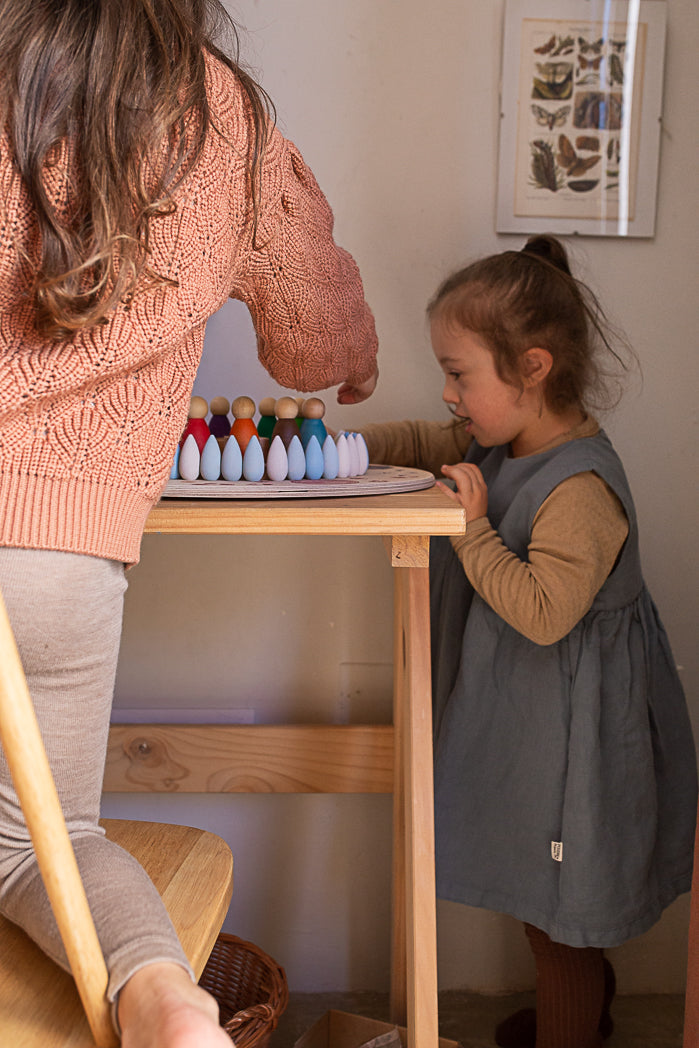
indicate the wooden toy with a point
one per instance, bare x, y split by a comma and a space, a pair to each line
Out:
331, 463
312, 424
190, 458
243, 428
297, 459
343, 462
253, 460
210, 466
286, 410
231, 460
288, 455
267, 417
277, 460
219, 423
175, 469
314, 459
196, 425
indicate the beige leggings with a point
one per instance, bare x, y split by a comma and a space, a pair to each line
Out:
66, 613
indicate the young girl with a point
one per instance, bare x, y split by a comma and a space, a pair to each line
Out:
142, 183
565, 779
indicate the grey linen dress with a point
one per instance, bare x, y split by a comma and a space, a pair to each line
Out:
565, 774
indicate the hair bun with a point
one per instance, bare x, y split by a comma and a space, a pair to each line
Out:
550, 249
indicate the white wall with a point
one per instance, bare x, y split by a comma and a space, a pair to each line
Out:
394, 104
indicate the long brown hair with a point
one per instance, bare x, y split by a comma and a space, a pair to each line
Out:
518, 299
119, 85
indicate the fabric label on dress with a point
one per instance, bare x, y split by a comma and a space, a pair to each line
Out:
557, 850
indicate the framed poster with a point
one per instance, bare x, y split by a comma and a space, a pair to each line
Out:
580, 115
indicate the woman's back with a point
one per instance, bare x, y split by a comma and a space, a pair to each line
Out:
109, 400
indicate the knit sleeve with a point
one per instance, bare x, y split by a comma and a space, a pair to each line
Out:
314, 328
576, 538
417, 443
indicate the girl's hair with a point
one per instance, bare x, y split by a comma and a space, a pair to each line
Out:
520, 299
117, 86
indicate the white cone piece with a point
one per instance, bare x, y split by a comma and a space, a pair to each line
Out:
231, 460
330, 461
175, 471
363, 452
277, 461
353, 455
253, 461
314, 459
210, 467
297, 459
343, 459
190, 459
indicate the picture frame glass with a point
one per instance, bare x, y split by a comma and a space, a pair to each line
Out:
580, 116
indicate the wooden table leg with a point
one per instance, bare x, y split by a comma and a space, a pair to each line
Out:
414, 985
399, 976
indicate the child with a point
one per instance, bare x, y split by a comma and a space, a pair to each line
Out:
565, 778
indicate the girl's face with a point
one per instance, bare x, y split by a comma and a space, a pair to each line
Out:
497, 413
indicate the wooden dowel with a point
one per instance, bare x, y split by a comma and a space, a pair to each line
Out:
31, 774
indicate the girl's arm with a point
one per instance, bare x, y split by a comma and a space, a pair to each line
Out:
305, 295
576, 538
420, 444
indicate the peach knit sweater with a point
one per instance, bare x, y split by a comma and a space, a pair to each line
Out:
88, 427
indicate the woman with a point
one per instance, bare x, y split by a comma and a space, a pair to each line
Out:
142, 182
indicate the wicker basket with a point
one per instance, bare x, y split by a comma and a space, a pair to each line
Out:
250, 988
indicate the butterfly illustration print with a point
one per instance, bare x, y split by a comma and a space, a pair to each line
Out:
544, 118
590, 63
548, 46
590, 45
574, 164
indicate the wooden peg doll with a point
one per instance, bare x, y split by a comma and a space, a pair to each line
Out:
286, 410
313, 425
243, 428
219, 423
267, 417
196, 424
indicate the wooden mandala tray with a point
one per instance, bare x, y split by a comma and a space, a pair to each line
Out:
378, 480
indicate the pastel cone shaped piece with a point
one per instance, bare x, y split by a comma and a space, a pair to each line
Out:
277, 460
253, 461
314, 459
363, 452
330, 461
210, 467
175, 471
353, 455
343, 458
297, 459
190, 459
232, 460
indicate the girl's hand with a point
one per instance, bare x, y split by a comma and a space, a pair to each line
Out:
471, 490
349, 394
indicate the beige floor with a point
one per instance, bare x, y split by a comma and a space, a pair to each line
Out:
640, 1022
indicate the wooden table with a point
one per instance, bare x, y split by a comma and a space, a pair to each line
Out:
329, 759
